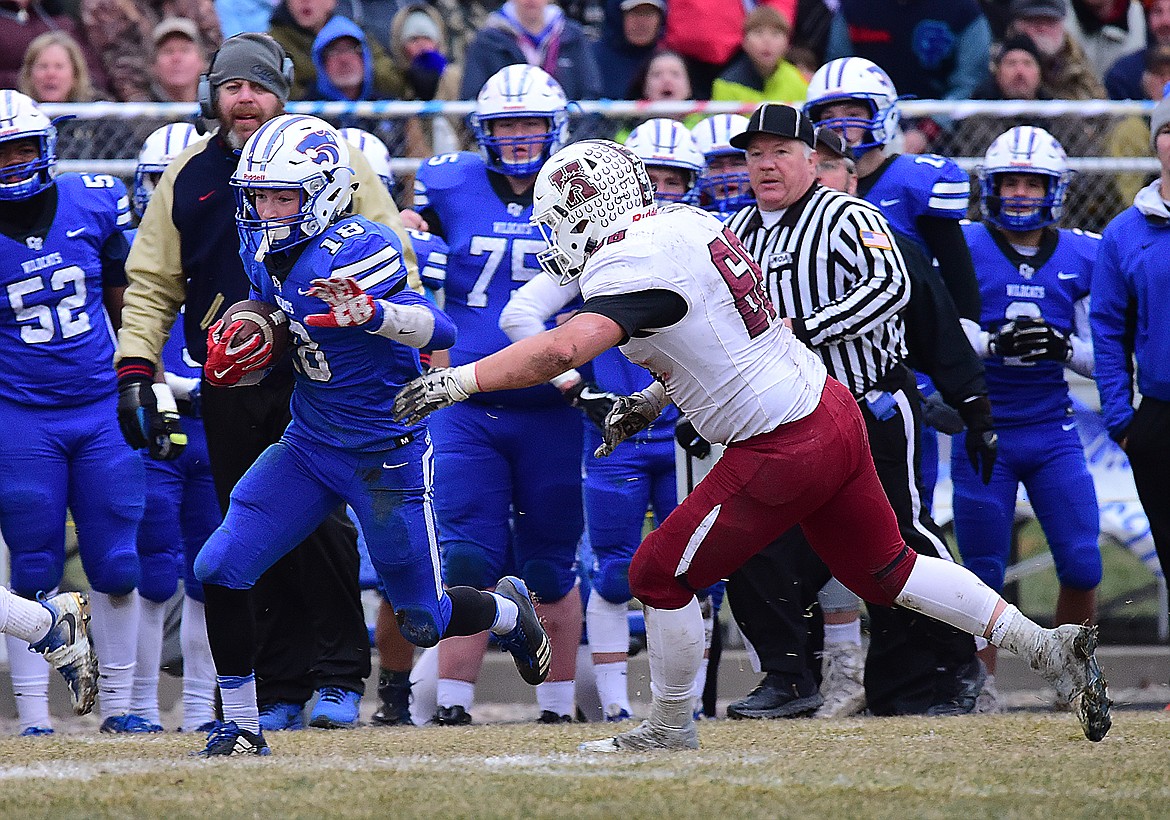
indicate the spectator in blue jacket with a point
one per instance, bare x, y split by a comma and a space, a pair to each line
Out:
1130, 324
533, 32
632, 31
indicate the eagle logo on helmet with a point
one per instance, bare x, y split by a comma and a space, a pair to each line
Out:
320, 147
572, 181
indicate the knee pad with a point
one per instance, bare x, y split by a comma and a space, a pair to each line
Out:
118, 572
611, 580
160, 577
465, 564
418, 625
547, 580
35, 572
1081, 569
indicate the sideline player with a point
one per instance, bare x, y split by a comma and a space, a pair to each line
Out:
507, 466
743, 379
63, 255
293, 185
722, 187
1034, 283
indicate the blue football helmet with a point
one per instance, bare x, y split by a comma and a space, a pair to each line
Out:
859, 80
1024, 149
20, 119
520, 91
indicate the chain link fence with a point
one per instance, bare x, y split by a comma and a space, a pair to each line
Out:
1107, 142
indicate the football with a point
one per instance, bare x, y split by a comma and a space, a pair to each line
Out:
258, 318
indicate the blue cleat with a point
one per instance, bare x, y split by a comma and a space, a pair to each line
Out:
129, 724
282, 716
67, 647
336, 708
37, 731
528, 642
228, 740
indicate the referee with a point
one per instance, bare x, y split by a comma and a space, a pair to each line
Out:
834, 269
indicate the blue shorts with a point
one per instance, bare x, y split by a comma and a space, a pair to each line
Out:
53, 458
1048, 459
295, 484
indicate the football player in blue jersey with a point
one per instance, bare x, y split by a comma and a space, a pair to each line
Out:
63, 270
672, 159
722, 186
182, 509
508, 467
356, 332
1034, 282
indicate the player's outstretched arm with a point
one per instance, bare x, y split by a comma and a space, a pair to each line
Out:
526, 363
408, 318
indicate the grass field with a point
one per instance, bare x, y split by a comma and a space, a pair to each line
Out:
1016, 765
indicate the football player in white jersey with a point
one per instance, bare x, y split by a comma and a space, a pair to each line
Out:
681, 297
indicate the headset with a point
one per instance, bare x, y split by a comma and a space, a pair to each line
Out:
206, 94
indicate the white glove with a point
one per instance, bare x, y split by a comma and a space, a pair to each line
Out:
630, 415
433, 391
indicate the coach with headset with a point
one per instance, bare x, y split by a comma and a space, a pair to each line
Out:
186, 255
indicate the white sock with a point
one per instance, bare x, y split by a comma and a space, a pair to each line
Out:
1016, 633
949, 593
239, 701
844, 633
674, 641
114, 629
585, 686
450, 692
608, 625
699, 684
556, 696
506, 614
30, 682
22, 618
148, 656
613, 686
198, 667
424, 681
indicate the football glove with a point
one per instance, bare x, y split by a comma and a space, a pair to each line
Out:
432, 391
981, 440
147, 414
349, 305
941, 416
629, 415
226, 364
1030, 340
592, 401
689, 439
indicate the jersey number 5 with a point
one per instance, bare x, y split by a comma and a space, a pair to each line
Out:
745, 280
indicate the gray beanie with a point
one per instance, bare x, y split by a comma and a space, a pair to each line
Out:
1159, 117
252, 56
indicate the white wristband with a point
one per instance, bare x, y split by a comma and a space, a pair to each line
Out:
164, 399
465, 376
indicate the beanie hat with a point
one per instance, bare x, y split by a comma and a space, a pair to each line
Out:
255, 57
1018, 42
419, 24
1159, 118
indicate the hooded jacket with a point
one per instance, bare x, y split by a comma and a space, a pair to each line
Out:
618, 60
563, 52
337, 28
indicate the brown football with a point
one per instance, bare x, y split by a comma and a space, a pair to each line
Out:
257, 318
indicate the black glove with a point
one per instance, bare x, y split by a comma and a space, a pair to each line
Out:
982, 440
592, 401
688, 438
1030, 340
144, 424
941, 416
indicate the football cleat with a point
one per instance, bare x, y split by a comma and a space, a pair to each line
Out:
616, 714
394, 692
37, 731
336, 708
648, 737
228, 740
775, 697
67, 647
129, 724
842, 682
528, 642
551, 717
451, 716
1067, 661
281, 716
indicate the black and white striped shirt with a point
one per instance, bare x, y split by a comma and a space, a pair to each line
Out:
833, 267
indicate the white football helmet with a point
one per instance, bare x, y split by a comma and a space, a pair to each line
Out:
667, 143
158, 150
375, 152
20, 119
721, 191
520, 91
585, 193
298, 153
1024, 149
855, 78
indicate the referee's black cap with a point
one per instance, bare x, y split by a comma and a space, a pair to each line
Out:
779, 120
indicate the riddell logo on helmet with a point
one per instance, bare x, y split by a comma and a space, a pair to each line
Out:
255, 177
572, 182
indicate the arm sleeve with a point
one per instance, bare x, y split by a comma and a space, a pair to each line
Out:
863, 241
444, 332
1081, 340
643, 310
154, 271
944, 237
372, 200
533, 304
1112, 319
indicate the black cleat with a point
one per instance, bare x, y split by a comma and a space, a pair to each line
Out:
451, 716
527, 641
394, 692
775, 698
229, 740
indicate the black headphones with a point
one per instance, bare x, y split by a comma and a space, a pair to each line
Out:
206, 94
